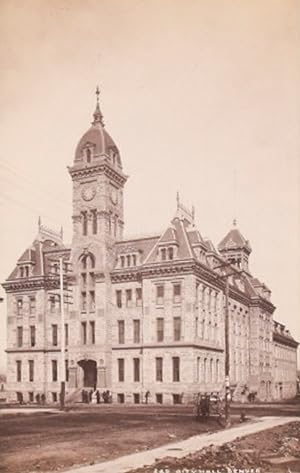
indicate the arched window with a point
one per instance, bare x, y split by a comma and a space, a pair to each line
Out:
84, 218
88, 155
87, 294
94, 220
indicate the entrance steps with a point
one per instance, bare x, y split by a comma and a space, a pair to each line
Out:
74, 395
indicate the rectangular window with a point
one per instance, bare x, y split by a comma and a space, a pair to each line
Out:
134, 260
198, 369
136, 370
176, 293
177, 328
52, 304
92, 279
83, 301
83, 280
160, 329
120, 398
138, 296
92, 332
121, 369
94, 220
31, 398
128, 297
92, 301
136, 331
160, 290
66, 335
159, 398
19, 370
31, 370
177, 399
136, 398
20, 336
31, 305
83, 333
176, 368
54, 335
67, 370
121, 331
119, 298
32, 335
54, 370
159, 368
84, 220
19, 306
54, 397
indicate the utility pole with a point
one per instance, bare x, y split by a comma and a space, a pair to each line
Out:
62, 336
227, 348
227, 356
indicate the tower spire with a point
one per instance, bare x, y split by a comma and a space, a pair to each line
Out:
98, 117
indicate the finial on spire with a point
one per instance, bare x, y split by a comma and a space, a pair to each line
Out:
61, 232
234, 222
98, 117
97, 93
39, 223
193, 213
178, 200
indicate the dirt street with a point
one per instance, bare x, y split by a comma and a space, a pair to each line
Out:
58, 441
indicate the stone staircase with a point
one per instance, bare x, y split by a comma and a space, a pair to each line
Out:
74, 395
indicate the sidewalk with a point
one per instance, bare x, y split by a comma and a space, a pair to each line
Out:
25, 410
183, 448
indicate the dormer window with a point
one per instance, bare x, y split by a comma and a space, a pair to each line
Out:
167, 254
88, 155
128, 260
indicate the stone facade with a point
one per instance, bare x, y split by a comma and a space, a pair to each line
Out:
142, 315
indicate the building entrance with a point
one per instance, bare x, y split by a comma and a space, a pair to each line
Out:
89, 368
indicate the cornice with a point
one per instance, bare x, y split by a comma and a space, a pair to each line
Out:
34, 350
90, 171
167, 345
43, 282
277, 337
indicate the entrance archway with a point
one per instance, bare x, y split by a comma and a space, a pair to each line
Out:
89, 368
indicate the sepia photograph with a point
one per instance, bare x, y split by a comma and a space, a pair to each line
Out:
150, 236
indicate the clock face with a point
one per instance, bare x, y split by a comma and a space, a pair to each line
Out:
88, 193
114, 195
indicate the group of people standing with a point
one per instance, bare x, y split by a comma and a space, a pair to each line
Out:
89, 396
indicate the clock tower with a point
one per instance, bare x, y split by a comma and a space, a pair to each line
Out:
98, 182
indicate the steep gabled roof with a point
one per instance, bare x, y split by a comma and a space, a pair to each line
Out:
234, 240
143, 245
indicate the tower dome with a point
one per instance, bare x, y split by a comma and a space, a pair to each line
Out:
97, 143
235, 248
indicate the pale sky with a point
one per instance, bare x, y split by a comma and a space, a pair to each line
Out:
200, 96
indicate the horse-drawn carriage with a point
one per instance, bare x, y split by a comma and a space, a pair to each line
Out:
209, 405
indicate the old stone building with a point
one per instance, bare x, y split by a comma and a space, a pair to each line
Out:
141, 315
